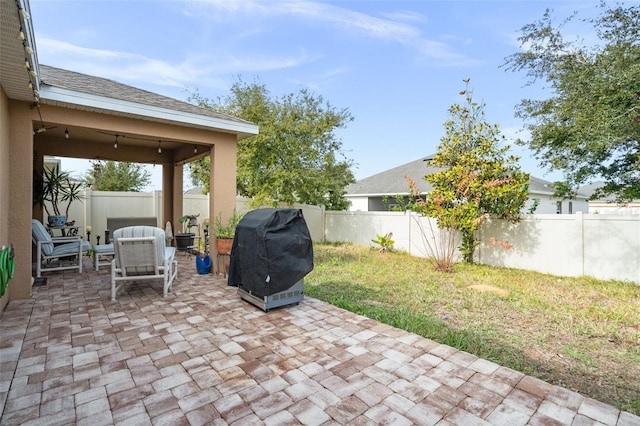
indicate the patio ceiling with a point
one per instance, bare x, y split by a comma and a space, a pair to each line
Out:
94, 144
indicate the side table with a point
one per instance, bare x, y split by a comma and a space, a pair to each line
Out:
101, 251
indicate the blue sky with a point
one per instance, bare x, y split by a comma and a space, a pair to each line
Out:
396, 65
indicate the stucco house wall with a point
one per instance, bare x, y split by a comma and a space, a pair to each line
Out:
4, 179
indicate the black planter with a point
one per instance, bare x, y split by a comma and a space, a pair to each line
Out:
184, 240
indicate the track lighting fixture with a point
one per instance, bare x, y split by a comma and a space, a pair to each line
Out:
66, 133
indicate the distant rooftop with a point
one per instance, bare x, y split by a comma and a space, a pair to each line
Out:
393, 182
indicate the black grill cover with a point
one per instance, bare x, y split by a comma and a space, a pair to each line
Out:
271, 251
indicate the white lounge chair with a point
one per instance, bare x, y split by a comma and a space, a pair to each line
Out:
67, 251
141, 254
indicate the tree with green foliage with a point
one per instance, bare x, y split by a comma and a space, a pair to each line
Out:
117, 176
296, 158
590, 128
477, 179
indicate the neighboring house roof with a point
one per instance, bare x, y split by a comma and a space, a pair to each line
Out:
591, 188
392, 181
196, 190
62, 87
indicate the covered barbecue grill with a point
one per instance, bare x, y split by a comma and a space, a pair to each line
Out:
271, 254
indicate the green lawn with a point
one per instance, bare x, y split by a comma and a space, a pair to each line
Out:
580, 333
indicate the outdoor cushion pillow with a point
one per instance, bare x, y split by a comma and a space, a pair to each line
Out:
39, 233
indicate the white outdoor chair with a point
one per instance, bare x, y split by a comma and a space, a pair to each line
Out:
140, 255
67, 251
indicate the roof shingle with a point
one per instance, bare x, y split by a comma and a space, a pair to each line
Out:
99, 86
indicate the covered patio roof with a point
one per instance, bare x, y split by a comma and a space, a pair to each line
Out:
57, 133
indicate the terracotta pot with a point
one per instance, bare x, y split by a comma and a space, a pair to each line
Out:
223, 245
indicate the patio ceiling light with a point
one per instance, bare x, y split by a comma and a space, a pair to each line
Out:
159, 147
24, 35
24, 14
66, 133
115, 144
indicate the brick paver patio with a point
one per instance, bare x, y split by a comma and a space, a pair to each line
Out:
203, 356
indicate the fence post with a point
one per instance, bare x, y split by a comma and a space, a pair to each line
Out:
157, 207
580, 223
87, 214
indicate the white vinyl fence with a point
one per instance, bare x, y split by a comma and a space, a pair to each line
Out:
96, 206
598, 245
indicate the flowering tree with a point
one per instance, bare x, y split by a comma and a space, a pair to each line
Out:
477, 179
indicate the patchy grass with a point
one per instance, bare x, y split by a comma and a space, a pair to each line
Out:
580, 333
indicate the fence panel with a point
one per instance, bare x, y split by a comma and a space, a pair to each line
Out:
361, 227
612, 246
546, 243
602, 246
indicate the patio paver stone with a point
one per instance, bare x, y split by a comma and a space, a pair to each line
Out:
204, 356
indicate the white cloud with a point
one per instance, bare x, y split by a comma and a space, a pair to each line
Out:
407, 16
200, 69
391, 29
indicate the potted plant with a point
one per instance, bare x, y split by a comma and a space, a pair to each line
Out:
225, 231
186, 238
52, 190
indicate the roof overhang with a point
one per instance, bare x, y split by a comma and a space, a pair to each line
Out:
14, 51
23, 84
61, 97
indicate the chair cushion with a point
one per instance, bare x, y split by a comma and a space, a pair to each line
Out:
143, 231
39, 233
69, 248
169, 252
103, 248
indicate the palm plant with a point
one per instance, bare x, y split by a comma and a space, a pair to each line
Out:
57, 187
